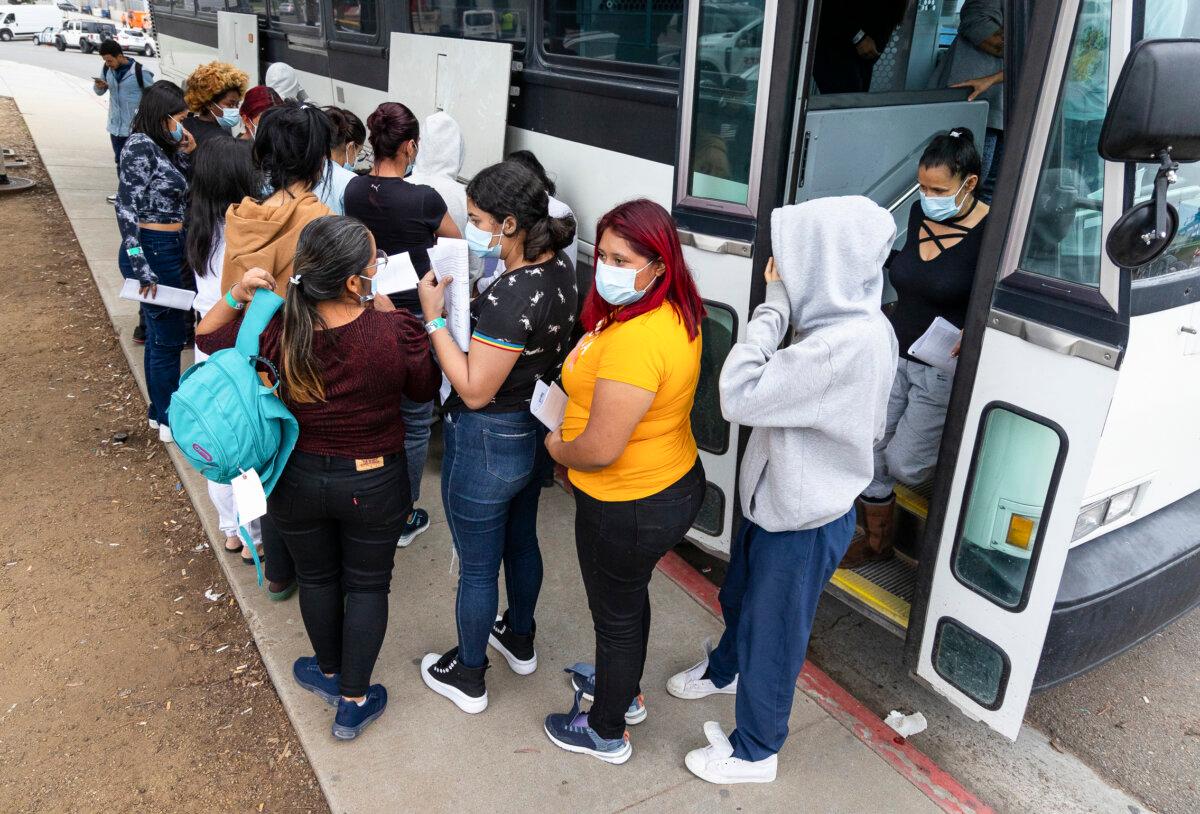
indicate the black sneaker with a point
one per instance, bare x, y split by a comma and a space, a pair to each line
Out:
139, 335
447, 676
517, 650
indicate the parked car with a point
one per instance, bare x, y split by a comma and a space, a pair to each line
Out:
46, 35
26, 21
86, 35
133, 40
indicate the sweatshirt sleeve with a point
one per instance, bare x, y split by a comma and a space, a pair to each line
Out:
764, 386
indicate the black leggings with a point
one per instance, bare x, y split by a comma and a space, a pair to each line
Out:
341, 526
619, 544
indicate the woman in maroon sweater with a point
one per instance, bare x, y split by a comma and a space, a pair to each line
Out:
345, 358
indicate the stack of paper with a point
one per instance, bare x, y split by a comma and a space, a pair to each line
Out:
936, 344
450, 259
164, 295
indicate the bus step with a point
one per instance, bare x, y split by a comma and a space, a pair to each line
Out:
915, 499
883, 591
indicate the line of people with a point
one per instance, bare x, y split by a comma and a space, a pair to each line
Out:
360, 371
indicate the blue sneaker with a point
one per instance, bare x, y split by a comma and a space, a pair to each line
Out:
571, 732
352, 719
583, 680
416, 524
309, 676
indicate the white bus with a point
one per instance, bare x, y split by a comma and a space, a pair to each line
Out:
1063, 523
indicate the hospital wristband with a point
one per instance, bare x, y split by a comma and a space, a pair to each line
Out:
435, 325
231, 302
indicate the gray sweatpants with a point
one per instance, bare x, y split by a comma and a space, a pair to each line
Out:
915, 415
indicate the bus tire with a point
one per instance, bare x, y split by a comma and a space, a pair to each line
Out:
5, 35
60, 44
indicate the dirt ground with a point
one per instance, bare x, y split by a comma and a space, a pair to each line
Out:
130, 681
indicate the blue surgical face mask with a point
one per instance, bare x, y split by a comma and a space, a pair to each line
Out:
372, 291
177, 132
479, 242
229, 117
618, 286
943, 207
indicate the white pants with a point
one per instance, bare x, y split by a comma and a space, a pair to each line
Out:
916, 414
221, 495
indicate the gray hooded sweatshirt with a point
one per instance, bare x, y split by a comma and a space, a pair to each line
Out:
440, 157
818, 405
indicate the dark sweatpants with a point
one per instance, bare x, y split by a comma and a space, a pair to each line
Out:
769, 599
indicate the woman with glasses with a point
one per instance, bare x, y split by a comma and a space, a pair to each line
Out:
345, 358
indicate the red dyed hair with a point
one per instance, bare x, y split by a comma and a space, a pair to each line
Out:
650, 231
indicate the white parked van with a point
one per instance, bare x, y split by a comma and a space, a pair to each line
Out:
25, 21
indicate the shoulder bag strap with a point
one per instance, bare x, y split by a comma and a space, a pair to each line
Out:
258, 315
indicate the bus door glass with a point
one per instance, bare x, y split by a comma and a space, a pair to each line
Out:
718, 201
1035, 385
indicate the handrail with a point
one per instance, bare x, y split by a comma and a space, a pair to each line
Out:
908, 193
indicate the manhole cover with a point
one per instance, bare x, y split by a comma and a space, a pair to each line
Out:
15, 184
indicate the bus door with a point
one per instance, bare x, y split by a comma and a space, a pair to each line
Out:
469, 79
237, 42
1046, 332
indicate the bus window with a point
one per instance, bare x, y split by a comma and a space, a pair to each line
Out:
503, 20
726, 96
647, 32
1168, 19
1065, 232
299, 13
239, 6
356, 17
708, 425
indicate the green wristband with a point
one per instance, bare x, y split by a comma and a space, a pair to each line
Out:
231, 302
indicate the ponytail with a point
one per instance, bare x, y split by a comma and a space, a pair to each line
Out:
956, 151
331, 250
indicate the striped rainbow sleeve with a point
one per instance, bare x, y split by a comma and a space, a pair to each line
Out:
512, 347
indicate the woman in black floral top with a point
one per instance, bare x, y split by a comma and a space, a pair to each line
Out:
521, 329
152, 196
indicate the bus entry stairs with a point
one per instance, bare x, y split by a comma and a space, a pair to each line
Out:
424, 754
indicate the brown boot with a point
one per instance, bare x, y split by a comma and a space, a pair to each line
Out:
873, 541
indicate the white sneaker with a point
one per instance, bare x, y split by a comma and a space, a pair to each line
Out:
153, 424
164, 434
716, 763
691, 684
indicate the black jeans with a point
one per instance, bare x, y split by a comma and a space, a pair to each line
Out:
341, 527
619, 544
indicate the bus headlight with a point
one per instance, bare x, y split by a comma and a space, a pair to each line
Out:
1103, 512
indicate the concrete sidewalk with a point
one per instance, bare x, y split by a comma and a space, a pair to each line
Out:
423, 754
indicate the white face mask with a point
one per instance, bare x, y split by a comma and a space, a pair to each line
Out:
618, 286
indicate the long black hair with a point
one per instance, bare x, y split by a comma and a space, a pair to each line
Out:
223, 173
347, 127
510, 189
292, 144
331, 250
530, 160
159, 101
956, 152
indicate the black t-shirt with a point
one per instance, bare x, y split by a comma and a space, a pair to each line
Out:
530, 311
403, 217
203, 130
940, 287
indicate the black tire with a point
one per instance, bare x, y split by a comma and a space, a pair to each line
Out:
147, 51
60, 44
85, 46
5, 35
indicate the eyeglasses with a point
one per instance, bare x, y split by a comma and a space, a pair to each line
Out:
379, 265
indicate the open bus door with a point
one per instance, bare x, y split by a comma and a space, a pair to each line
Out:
237, 42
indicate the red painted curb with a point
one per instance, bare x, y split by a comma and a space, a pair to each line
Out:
915, 766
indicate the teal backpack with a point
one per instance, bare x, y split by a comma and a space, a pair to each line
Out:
225, 421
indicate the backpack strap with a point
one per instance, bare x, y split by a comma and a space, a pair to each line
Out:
258, 315
137, 71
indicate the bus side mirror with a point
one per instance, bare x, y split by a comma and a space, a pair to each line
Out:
1152, 118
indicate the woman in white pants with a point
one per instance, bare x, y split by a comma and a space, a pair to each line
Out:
223, 173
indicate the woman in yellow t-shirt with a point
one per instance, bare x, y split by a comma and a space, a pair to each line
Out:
627, 442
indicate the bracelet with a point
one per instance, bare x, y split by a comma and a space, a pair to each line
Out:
134, 251
435, 325
231, 302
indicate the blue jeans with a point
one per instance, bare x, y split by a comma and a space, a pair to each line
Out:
166, 328
418, 418
769, 599
490, 496
118, 144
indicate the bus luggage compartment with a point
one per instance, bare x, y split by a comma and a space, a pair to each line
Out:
1121, 588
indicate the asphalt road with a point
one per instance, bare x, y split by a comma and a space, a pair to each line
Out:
70, 61
1136, 720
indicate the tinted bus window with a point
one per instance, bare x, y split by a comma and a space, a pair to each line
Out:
239, 6
302, 13
648, 32
356, 17
504, 20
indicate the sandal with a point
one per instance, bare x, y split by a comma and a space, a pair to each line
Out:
233, 539
250, 560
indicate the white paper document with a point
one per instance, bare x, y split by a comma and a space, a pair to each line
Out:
549, 404
165, 295
935, 345
249, 497
398, 275
449, 258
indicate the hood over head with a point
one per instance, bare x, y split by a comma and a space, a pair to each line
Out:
442, 150
282, 78
830, 254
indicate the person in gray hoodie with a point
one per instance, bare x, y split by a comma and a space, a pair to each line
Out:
817, 407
